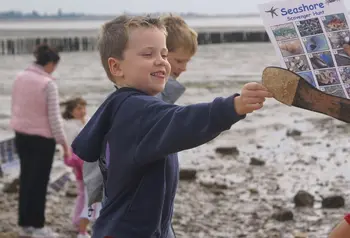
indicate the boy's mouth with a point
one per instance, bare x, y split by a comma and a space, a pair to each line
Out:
160, 74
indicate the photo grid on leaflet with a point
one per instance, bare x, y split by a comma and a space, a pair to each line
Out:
313, 49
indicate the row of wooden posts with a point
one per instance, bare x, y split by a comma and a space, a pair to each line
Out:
74, 44
27, 45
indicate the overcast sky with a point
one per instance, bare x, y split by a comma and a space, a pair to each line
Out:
135, 6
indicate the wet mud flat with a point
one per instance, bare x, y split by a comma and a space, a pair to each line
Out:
244, 183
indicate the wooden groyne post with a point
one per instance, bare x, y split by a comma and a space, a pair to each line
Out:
27, 45
87, 41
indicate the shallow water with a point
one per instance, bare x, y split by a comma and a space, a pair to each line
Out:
82, 73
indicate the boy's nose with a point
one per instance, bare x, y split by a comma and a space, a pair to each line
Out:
160, 61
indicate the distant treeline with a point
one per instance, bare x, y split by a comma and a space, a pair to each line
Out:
14, 15
37, 15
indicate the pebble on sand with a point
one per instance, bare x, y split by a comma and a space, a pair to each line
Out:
333, 202
300, 235
11, 187
304, 199
227, 150
256, 162
283, 215
292, 133
188, 174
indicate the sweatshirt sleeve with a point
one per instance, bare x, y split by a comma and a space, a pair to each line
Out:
166, 128
53, 110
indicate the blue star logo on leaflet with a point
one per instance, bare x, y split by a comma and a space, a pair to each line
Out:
273, 12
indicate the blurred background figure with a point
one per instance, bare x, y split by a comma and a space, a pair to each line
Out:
37, 123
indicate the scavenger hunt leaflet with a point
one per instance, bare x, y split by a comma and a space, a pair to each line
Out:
308, 37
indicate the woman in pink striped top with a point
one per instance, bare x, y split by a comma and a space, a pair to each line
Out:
37, 123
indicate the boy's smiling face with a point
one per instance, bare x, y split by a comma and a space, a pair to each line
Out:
178, 60
144, 65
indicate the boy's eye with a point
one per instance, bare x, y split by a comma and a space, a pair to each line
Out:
147, 54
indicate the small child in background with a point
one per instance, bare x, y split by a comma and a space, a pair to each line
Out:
75, 119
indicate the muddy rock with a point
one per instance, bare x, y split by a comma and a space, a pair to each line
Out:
213, 184
283, 215
274, 233
304, 199
333, 202
292, 133
300, 235
227, 150
256, 162
71, 191
11, 187
8, 235
253, 191
188, 174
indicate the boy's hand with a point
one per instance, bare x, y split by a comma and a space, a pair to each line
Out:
347, 48
252, 98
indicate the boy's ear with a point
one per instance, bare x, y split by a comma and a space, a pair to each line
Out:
114, 67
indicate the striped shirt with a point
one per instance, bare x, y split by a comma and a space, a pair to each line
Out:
55, 119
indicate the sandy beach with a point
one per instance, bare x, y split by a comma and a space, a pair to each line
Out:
246, 179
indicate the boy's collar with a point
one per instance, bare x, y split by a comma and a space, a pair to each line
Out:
126, 89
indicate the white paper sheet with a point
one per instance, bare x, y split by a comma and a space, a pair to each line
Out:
308, 37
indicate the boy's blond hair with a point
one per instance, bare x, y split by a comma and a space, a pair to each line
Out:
114, 36
180, 35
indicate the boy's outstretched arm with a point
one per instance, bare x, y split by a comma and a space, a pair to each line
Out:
166, 129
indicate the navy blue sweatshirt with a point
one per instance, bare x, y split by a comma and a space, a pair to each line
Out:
143, 135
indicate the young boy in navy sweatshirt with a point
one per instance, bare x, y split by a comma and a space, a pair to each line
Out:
182, 45
140, 134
